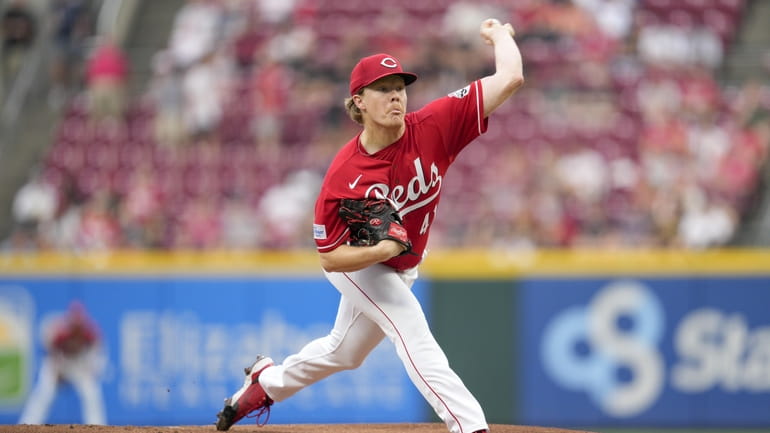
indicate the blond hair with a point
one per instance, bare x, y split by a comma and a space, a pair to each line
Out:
353, 111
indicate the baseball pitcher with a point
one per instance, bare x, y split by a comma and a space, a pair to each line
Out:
373, 216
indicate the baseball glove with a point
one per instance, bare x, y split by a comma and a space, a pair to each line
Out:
372, 220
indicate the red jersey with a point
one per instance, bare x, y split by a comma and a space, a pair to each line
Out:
409, 172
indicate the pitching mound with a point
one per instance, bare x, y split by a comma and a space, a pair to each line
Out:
287, 428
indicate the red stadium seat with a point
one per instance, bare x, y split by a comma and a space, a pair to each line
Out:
681, 17
733, 6
721, 23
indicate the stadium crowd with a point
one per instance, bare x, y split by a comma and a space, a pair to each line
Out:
622, 137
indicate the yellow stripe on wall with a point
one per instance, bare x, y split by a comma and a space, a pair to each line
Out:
556, 263
166, 262
476, 264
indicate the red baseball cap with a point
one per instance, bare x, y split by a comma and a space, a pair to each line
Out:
372, 68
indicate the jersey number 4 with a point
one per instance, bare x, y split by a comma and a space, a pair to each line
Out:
426, 222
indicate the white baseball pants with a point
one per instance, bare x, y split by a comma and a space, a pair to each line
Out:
77, 372
378, 302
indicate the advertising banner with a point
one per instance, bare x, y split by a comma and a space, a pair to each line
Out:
669, 351
175, 347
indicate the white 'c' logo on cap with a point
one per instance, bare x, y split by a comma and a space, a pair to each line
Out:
389, 62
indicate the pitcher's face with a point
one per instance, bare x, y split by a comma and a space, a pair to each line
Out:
383, 102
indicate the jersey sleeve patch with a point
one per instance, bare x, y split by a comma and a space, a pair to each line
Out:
461, 93
319, 231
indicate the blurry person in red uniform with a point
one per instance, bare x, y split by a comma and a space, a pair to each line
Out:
74, 355
106, 78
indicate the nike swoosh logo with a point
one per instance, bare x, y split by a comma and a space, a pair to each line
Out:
353, 184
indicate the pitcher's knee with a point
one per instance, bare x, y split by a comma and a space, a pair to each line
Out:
352, 364
350, 361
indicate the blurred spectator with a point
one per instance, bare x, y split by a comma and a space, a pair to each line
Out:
195, 32
393, 36
460, 22
203, 93
706, 47
98, 228
64, 233
167, 95
249, 35
736, 173
34, 207
272, 83
18, 28
701, 94
141, 210
707, 221
275, 11
60, 233
707, 143
74, 355
658, 95
283, 209
679, 45
241, 226
751, 103
200, 225
614, 17
72, 27
584, 172
193, 49
564, 19
290, 43
106, 81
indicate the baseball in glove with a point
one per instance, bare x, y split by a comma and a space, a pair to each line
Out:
372, 220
